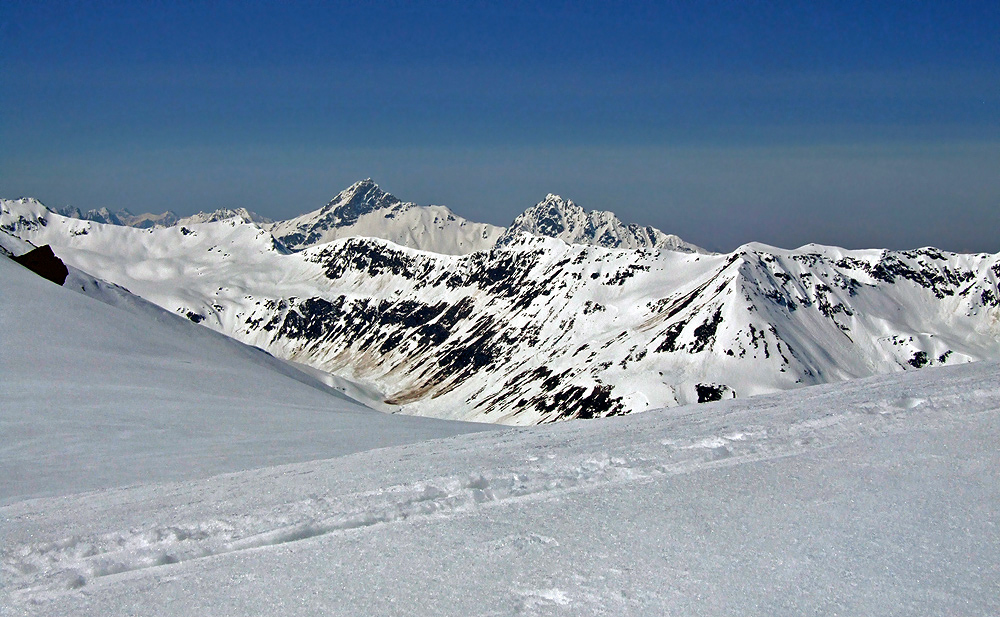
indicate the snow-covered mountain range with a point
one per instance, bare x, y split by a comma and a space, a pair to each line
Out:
535, 329
365, 210
166, 219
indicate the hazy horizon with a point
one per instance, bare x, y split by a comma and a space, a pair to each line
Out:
837, 123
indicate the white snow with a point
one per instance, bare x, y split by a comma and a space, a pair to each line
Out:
159, 469
97, 395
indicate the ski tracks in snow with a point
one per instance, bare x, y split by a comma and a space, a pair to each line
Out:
156, 526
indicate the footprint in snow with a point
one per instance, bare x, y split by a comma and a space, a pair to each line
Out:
540, 598
522, 542
908, 402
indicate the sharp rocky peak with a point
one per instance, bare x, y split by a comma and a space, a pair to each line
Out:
557, 217
358, 199
549, 217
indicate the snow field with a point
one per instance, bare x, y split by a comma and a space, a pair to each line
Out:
826, 462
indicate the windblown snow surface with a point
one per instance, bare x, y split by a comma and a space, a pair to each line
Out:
149, 469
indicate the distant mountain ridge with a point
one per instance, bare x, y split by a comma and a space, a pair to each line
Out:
365, 210
224, 214
121, 217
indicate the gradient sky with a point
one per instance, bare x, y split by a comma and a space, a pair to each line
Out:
858, 124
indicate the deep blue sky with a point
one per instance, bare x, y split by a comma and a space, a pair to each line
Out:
851, 123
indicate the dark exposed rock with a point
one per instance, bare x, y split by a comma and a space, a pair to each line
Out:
704, 335
709, 392
43, 262
669, 342
919, 359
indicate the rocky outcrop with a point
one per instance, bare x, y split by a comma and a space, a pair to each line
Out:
43, 262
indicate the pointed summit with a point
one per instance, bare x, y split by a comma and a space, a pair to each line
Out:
556, 217
356, 200
364, 209
551, 216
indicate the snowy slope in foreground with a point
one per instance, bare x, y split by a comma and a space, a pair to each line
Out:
871, 497
94, 396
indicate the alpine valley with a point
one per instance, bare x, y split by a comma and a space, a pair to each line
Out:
565, 314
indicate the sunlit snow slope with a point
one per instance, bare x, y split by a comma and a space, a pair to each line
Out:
100, 394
